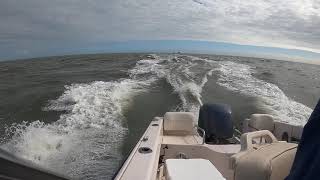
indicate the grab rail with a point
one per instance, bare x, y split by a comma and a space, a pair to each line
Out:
203, 133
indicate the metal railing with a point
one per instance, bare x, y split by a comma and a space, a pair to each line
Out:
203, 133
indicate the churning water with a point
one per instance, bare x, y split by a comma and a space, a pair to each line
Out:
81, 115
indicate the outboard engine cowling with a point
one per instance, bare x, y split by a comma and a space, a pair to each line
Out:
216, 120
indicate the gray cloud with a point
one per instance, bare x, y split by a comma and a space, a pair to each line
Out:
37, 25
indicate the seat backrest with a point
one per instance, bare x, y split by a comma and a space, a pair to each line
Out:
261, 122
271, 161
178, 123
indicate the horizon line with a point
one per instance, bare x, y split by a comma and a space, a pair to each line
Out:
185, 46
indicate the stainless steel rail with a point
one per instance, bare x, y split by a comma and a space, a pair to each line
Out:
203, 133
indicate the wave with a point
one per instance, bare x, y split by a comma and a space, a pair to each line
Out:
90, 131
186, 74
238, 78
86, 140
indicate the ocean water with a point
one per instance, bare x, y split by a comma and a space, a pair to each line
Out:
81, 115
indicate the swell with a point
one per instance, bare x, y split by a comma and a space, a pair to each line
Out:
186, 75
85, 137
85, 141
238, 78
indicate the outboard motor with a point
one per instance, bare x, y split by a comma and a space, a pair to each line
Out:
215, 120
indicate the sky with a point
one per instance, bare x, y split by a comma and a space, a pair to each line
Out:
287, 29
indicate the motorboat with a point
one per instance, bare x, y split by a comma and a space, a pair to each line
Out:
178, 146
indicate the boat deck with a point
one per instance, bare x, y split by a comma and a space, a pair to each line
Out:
155, 147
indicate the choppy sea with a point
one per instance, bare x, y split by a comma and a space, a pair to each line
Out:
81, 115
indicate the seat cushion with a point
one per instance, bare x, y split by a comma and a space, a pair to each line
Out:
266, 162
191, 169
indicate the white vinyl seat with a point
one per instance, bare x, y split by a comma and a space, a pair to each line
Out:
179, 128
178, 123
270, 161
191, 169
261, 122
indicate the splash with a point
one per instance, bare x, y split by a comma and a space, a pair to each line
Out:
187, 76
237, 77
86, 140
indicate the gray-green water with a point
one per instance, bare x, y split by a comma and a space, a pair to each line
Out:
81, 115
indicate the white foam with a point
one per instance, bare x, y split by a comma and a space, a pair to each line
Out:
91, 130
35, 141
178, 72
89, 133
97, 104
237, 77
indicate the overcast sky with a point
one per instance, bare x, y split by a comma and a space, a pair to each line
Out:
47, 27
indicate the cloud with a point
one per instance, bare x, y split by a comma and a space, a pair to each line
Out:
42, 25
